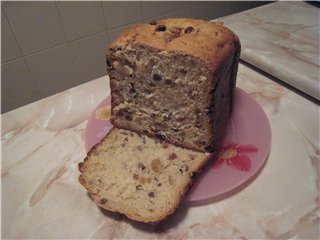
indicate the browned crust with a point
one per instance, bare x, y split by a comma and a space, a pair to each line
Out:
235, 71
211, 42
232, 85
80, 165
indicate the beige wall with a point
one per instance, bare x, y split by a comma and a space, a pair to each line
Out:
47, 47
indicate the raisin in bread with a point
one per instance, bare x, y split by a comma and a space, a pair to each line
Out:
138, 176
175, 80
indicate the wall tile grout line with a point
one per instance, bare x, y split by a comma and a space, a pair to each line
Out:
66, 40
141, 11
104, 17
59, 45
14, 36
190, 8
202, 10
75, 40
63, 29
32, 78
23, 58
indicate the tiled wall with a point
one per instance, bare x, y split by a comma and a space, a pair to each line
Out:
47, 47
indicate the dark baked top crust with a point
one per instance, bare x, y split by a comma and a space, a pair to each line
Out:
210, 42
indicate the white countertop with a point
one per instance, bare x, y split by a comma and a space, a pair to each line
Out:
42, 143
282, 39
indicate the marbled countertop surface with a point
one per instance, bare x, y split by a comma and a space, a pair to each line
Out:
42, 143
282, 39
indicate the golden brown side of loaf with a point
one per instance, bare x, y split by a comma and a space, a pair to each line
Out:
211, 42
174, 79
143, 178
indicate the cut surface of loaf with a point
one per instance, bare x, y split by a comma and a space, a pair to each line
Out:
174, 79
141, 177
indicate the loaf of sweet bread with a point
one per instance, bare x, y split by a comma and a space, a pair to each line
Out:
172, 86
141, 177
174, 79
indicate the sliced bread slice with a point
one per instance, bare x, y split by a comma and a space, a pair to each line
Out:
144, 178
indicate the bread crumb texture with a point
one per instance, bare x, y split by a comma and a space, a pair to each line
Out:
170, 79
138, 176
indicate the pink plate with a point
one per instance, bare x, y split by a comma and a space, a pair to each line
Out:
243, 153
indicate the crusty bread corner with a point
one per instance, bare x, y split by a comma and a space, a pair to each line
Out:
210, 42
140, 177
